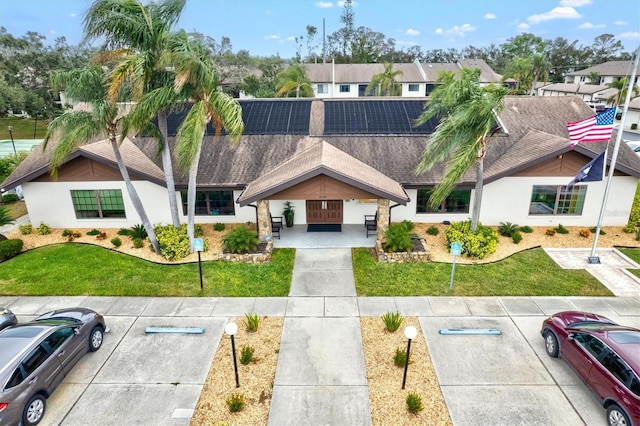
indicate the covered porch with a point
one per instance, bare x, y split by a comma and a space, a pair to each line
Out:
298, 237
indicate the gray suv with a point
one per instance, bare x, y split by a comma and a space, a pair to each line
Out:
37, 355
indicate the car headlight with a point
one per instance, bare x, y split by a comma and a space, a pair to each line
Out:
4, 311
548, 320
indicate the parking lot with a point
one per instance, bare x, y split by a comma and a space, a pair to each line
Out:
155, 379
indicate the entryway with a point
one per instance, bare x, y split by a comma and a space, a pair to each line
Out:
298, 237
324, 211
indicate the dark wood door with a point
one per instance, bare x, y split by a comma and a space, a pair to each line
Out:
324, 211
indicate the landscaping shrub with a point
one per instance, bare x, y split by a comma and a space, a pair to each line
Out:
219, 227
71, 234
235, 402
117, 242
585, 232
433, 230
638, 235
634, 126
516, 237
44, 229
138, 231
25, 229
10, 198
94, 231
526, 229
246, 354
480, 243
101, 236
400, 358
595, 228
507, 229
174, 243
560, 229
550, 232
10, 248
138, 243
124, 232
251, 321
414, 402
408, 225
240, 240
634, 216
198, 231
392, 320
398, 238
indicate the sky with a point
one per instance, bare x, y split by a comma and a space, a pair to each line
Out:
268, 27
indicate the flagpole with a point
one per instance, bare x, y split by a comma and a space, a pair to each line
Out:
612, 167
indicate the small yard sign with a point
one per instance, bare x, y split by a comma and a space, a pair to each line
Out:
198, 244
456, 249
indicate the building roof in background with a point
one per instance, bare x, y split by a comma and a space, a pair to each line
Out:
611, 68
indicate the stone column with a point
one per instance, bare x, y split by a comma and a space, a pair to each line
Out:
264, 220
383, 218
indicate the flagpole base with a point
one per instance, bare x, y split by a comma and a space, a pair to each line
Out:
593, 260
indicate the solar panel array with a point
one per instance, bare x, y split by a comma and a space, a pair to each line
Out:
375, 117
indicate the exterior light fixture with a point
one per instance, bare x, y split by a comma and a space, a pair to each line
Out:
410, 333
231, 329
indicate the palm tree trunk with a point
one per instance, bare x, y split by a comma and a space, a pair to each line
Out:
133, 194
191, 196
168, 168
533, 85
477, 198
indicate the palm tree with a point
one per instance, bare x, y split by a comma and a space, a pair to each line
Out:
137, 36
293, 78
594, 77
622, 86
385, 82
5, 219
195, 80
74, 128
468, 120
521, 70
540, 67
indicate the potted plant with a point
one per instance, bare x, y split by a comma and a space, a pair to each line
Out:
288, 213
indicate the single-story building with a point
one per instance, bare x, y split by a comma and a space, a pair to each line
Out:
337, 160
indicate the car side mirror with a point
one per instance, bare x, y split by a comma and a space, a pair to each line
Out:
570, 336
76, 331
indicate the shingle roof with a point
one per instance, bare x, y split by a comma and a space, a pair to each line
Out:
584, 89
611, 68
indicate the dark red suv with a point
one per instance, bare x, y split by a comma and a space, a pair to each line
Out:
605, 355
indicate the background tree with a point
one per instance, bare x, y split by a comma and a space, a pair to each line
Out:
75, 127
605, 48
385, 82
467, 114
540, 67
622, 86
594, 77
294, 80
311, 45
520, 69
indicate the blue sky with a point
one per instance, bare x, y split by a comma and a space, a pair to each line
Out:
266, 27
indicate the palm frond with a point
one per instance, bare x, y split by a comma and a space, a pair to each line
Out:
190, 135
230, 113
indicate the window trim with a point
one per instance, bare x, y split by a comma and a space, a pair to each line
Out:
345, 88
416, 87
100, 196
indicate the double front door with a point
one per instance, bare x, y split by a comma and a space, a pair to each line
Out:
324, 211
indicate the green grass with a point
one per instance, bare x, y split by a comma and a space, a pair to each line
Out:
528, 273
22, 128
84, 269
633, 254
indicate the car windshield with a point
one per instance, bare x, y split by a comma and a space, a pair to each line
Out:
22, 332
625, 337
58, 320
591, 324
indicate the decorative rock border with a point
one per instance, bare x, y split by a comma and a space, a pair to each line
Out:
262, 257
402, 257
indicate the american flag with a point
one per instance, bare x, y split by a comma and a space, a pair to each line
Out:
593, 129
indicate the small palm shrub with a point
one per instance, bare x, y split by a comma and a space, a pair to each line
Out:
44, 229
516, 237
236, 402
595, 228
10, 198
240, 240
480, 243
138, 231
507, 229
560, 229
414, 403
246, 354
408, 225
219, 227
26, 229
400, 358
433, 230
138, 243
550, 232
526, 229
392, 320
117, 242
94, 231
198, 231
125, 232
5, 216
252, 322
398, 238
584, 233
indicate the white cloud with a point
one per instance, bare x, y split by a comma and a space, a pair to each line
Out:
52, 32
456, 30
412, 32
324, 4
621, 23
291, 38
439, 31
556, 13
73, 15
490, 16
589, 26
575, 3
523, 26
630, 35
272, 37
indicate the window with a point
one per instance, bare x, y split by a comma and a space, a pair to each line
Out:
345, 88
557, 200
215, 203
57, 338
322, 88
429, 88
457, 202
99, 203
34, 360
617, 367
594, 346
414, 87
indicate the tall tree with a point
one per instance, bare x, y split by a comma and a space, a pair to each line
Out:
539, 68
137, 36
385, 82
622, 86
468, 120
74, 128
294, 80
605, 48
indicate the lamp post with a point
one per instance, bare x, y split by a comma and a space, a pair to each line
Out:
410, 333
231, 329
12, 142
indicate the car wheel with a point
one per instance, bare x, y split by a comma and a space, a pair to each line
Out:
551, 343
34, 410
95, 338
617, 417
